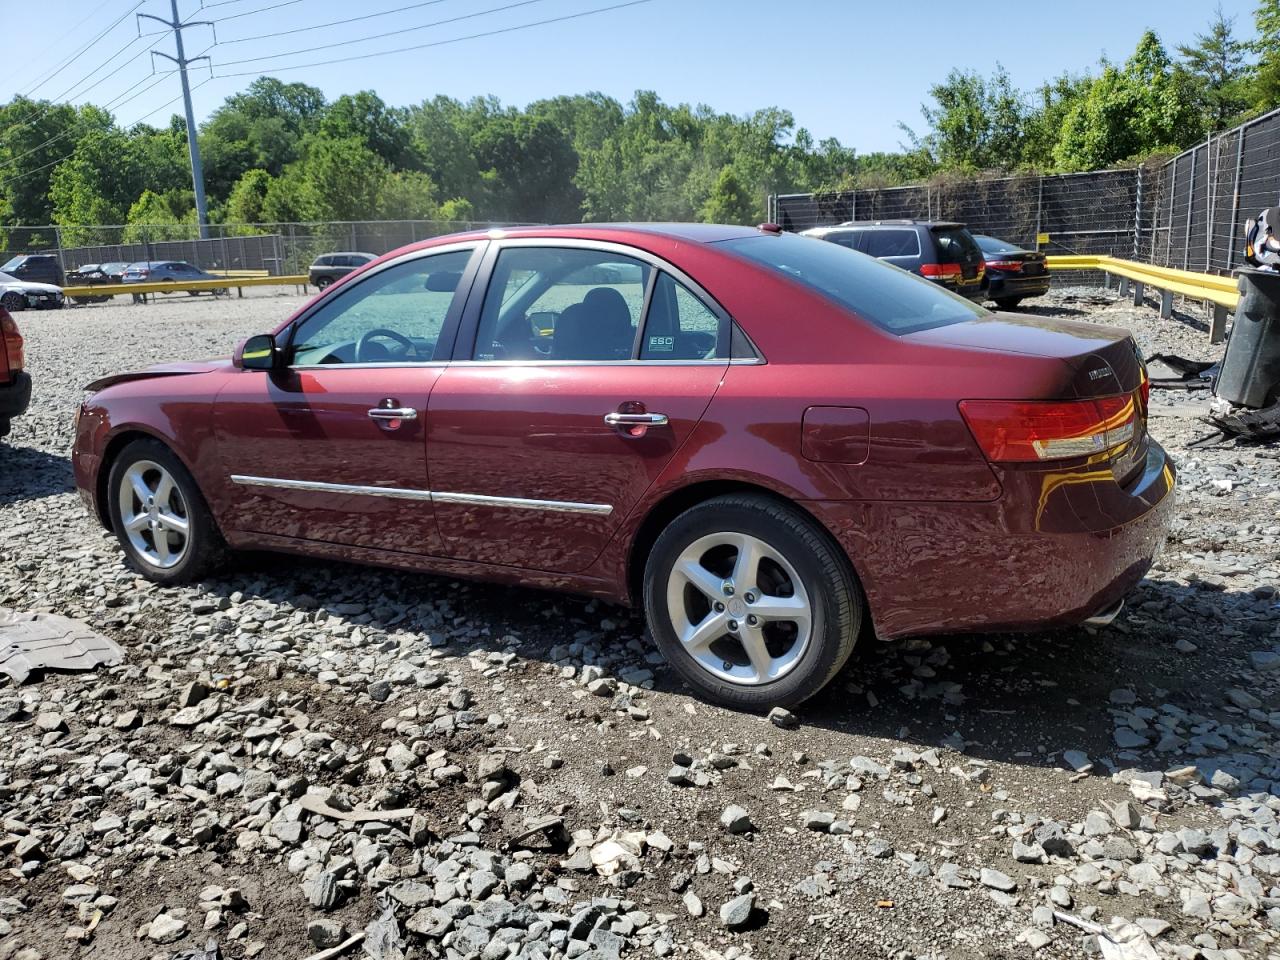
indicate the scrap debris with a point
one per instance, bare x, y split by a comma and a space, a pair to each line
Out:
46, 641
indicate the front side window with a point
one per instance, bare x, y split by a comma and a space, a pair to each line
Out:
561, 303
393, 316
892, 299
681, 327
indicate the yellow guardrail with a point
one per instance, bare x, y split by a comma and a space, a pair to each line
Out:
240, 273
1205, 287
180, 286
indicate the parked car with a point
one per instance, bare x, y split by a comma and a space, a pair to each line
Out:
38, 268
15, 383
945, 253
329, 267
163, 271
1013, 274
96, 274
18, 295
773, 444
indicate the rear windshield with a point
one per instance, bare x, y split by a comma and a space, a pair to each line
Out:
956, 245
891, 298
992, 245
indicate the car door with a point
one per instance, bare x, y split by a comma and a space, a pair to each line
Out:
549, 426
330, 447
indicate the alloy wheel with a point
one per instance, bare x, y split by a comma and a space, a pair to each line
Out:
739, 608
154, 514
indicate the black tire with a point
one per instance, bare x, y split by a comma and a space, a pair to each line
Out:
1008, 303
836, 601
13, 302
206, 550
323, 282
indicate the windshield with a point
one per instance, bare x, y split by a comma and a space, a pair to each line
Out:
13, 264
992, 245
891, 298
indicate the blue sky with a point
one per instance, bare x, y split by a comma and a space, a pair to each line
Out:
845, 68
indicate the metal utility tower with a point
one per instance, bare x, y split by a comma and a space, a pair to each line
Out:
193, 142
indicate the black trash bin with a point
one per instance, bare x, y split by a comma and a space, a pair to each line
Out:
1250, 375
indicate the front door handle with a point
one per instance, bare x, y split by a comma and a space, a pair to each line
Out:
636, 419
393, 413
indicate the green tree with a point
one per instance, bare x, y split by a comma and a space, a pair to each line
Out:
1264, 87
407, 195
97, 184
728, 201
1216, 63
1128, 113
975, 122
364, 116
249, 197
154, 217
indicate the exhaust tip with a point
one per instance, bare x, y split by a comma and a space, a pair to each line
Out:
1105, 617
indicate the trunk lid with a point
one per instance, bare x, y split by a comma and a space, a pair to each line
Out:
1026, 263
1100, 362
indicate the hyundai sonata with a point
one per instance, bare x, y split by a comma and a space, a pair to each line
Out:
773, 444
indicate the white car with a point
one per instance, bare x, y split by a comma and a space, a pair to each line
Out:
18, 294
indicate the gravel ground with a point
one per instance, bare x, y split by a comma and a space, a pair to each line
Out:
544, 787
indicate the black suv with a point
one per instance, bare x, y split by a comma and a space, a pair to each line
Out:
944, 252
38, 268
329, 267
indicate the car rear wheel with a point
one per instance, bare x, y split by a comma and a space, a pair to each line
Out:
751, 603
13, 302
160, 516
1008, 303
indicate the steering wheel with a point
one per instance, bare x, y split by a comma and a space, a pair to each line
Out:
366, 338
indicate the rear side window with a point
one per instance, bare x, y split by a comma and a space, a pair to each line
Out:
956, 245
680, 326
892, 243
992, 245
892, 299
846, 238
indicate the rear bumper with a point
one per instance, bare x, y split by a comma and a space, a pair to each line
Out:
15, 396
1054, 550
1001, 287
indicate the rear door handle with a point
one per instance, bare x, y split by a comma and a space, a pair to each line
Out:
393, 413
636, 419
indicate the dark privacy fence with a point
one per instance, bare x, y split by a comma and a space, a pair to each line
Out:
1188, 212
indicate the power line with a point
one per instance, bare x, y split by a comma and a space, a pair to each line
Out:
117, 102
250, 13
331, 23
439, 43
380, 36
45, 78
54, 43
52, 163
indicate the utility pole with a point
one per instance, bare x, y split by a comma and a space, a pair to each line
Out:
193, 142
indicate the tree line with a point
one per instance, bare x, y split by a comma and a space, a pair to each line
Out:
280, 152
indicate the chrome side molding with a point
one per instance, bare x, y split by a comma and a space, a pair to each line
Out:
407, 493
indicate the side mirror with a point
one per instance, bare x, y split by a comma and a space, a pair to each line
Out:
443, 281
257, 353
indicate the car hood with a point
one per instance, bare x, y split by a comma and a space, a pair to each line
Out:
176, 369
30, 286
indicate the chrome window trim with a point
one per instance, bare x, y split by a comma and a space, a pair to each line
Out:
405, 493
380, 365
742, 362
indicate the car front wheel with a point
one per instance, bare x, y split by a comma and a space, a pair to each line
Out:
1008, 303
751, 602
323, 283
13, 302
160, 516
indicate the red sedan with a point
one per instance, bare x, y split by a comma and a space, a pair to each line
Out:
773, 443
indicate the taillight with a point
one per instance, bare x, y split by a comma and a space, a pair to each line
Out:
1144, 388
1032, 431
1010, 266
11, 340
941, 271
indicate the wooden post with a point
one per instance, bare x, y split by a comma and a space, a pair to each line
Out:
1218, 325
1138, 290
1166, 304
1124, 286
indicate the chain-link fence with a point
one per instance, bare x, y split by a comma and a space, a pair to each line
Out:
1187, 212
1079, 213
282, 249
